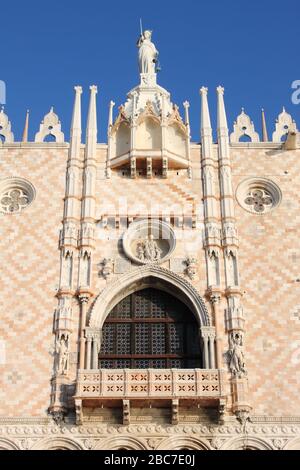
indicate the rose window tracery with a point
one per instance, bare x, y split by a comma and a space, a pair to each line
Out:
16, 194
258, 195
14, 200
259, 200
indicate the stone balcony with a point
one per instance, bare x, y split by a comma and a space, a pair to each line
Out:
95, 387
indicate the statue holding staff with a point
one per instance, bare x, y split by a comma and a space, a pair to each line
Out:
148, 54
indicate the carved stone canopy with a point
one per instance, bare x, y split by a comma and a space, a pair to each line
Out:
149, 242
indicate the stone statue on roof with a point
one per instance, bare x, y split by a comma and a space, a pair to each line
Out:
148, 54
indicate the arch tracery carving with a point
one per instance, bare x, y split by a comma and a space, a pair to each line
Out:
140, 278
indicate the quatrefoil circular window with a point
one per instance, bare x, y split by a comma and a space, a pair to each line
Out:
258, 195
15, 195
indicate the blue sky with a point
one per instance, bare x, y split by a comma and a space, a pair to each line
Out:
251, 48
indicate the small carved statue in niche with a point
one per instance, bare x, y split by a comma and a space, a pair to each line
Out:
148, 250
62, 351
236, 355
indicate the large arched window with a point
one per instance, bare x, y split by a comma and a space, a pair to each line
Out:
150, 329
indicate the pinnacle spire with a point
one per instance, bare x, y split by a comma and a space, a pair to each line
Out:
91, 131
75, 132
26, 128
222, 119
205, 116
265, 137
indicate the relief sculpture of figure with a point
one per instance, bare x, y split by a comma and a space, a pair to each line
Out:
148, 250
237, 363
148, 53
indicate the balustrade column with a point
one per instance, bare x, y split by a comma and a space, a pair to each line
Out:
95, 352
215, 301
88, 352
84, 302
212, 352
206, 355
208, 334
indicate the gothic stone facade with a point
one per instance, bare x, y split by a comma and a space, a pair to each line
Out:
214, 225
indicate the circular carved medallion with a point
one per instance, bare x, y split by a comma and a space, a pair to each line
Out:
149, 242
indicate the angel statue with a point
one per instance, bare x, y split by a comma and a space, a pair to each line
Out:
237, 363
148, 54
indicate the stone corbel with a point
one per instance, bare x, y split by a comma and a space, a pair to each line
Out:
59, 400
78, 411
242, 412
222, 410
126, 412
165, 167
133, 167
149, 167
175, 412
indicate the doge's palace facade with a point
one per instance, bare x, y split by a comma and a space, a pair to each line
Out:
150, 285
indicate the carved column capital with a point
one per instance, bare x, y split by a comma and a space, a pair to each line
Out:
92, 334
208, 332
214, 295
84, 298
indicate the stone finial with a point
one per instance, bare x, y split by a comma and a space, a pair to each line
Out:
203, 90
50, 126
5, 127
110, 118
186, 105
243, 126
284, 125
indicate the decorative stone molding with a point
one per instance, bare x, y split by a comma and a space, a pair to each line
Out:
5, 128
179, 442
50, 126
149, 242
258, 195
121, 118
8, 444
121, 442
57, 443
284, 125
147, 275
263, 433
126, 412
246, 443
107, 268
243, 126
16, 194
